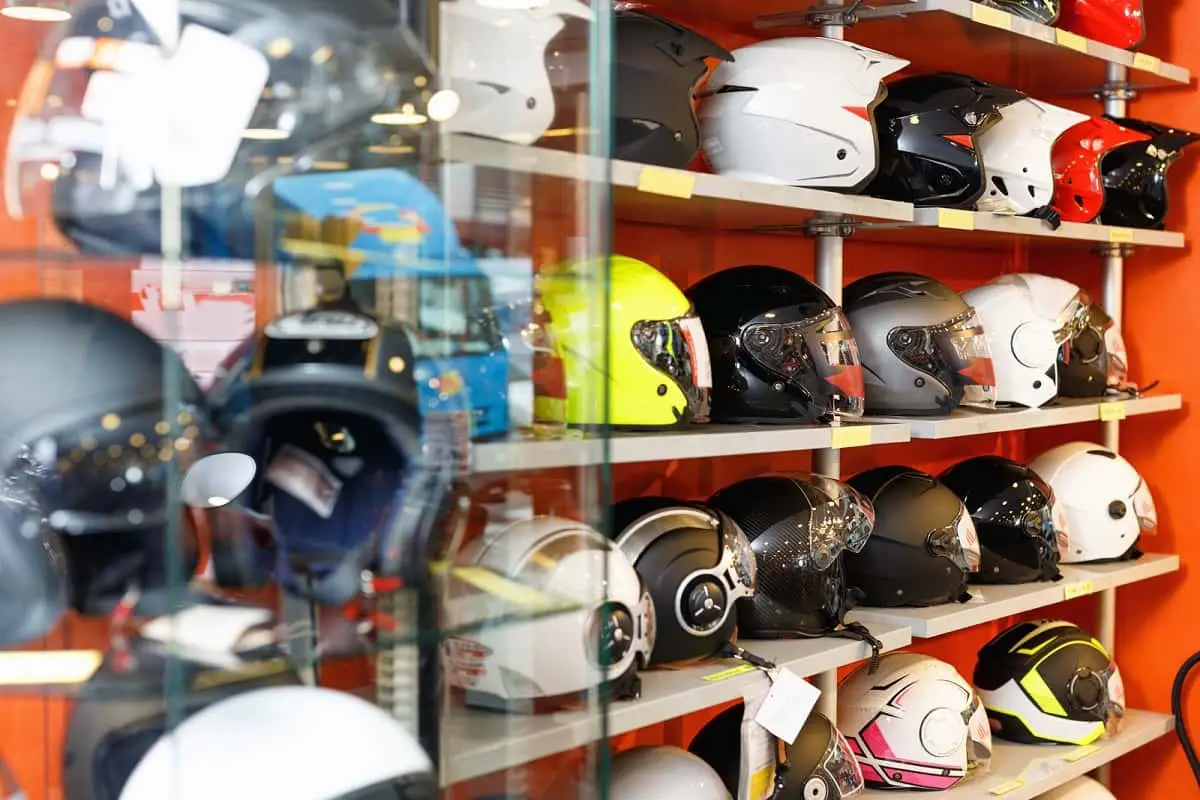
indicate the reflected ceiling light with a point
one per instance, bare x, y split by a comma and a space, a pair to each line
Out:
391, 149
443, 105
406, 115
36, 10
266, 134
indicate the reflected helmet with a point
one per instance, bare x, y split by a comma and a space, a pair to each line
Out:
652, 773
819, 766
928, 126
1119, 23
1076, 157
1096, 360
658, 371
914, 724
1107, 504
1046, 682
923, 545
1043, 11
1028, 319
1080, 789
592, 624
696, 563
781, 350
1135, 175
812, 98
923, 349
1017, 170
1022, 531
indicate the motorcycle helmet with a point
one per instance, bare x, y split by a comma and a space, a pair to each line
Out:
1046, 682
914, 724
1022, 531
928, 126
650, 773
1080, 789
923, 545
781, 350
1135, 175
858, 513
1119, 23
542, 662
923, 350
812, 97
657, 368
1017, 171
696, 563
1076, 158
495, 61
1096, 360
1043, 11
819, 763
1028, 319
797, 534
1106, 502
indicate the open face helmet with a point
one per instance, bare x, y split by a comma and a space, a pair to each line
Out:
1047, 682
1119, 23
1076, 158
923, 545
1023, 533
1029, 320
914, 724
812, 97
1043, 11
781, 350
1080, 789
649, 773
1096, 361
1107, 504
1135, 175
923, 349
928, 126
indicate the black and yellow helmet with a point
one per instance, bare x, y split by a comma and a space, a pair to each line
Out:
1044, 681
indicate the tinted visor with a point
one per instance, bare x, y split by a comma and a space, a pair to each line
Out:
958, 542
841, 767
954, 352
678, 349
1143, 507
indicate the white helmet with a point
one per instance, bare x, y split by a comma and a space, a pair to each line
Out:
603, 631
494, 60
1015, 151
1027, 318
653, 773
1079, 789
811, 98
913, 724
301, 742
1108, 505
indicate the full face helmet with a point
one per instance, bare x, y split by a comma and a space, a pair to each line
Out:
1080, 789
1096, 361
1119, 23
811, 96
781, 350
923, 545
923, 349
928, 126
1043, 11
601, 631
1029, 320
649, 773
819, 763
1046, 682
1076, 158
1135, 175
1107, 503
696, 564
658, 370
1023, 533
914, 724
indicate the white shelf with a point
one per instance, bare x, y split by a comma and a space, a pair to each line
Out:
1023, 772
964, 422
1004, 601
479, 742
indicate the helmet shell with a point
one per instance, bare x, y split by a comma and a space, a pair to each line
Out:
1135, 175
1076, 157
648, 773
1018, 175
1120, 23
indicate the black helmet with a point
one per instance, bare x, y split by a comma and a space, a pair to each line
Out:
781, 350
1135, 175
1021, 534
696, 563
923, 546
820, 763
1043, 11
927, 126
1096, 359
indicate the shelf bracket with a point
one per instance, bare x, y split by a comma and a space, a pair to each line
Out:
821, 15
837, 225
1119, 91
1110, 249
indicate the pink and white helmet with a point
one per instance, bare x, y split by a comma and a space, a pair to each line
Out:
915, 723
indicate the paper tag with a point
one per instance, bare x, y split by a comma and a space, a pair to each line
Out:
850, 436
306, 478
789, 702
1120, 235
1077, 589
1112, 411
955, 218
670, 182
977, 597
1147, 63
1008, 786
1070, 40
201, 627
759, 752
732, 672
37, 667
991, 16
1080, 753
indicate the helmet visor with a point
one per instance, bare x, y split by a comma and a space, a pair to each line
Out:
955, 351
678, 349
979, 736
1100, 694
827, 535
1047, 527
1072, 321
958, 542
737, 558
1143, 507
858, 512
841, 767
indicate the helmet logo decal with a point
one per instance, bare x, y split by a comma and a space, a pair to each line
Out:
960, 139
466, 660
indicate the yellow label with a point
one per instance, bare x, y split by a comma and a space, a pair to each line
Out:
1070, 40
850, 436
1077, 589
955, 218
670, 182
991, 16
1112, 411
1147, 63
34, 667
762, 783
1010, 786
505, 589
1120, 235
1080, 753
732, 672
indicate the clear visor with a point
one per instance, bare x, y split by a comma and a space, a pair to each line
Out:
1101, 695
841, 767
1143, 507
1046, 527
827, 535
738, 558
858, 512
959, 542
679, 350
979, 737
954, 352
1118, 357
1062, 533
1073, 320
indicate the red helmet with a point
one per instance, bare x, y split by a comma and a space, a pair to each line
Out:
1116, 22
1078, 186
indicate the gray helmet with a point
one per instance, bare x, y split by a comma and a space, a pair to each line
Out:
923, 350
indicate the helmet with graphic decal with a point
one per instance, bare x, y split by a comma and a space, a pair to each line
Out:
1135, 175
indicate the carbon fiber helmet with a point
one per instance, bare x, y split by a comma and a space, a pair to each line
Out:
1135, 175
1043, 11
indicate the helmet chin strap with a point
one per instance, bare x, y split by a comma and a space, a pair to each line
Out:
1048, 215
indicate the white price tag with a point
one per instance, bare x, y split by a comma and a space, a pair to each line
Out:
306, 478
212, 629
788, 704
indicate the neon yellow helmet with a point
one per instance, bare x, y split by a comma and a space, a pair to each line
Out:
658, 373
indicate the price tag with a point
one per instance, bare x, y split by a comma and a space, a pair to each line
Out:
1072, 41
850, 436
991, 16
39, 667
1112, 411
789, 702
956, 219
732, 672
1080, 753
1147, 63
670, 182
1120, 235
1010, 786
1077, 589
